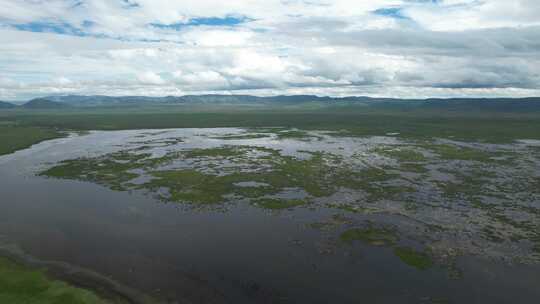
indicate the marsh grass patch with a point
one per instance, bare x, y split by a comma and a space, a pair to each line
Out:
459, 179
279, 203
414, 258
370, 235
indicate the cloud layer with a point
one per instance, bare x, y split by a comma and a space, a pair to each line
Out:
394, 48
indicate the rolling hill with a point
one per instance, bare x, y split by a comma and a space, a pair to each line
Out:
455, 104
44, 103
6, 105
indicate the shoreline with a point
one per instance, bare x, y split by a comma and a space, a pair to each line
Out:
41, 135
78, 277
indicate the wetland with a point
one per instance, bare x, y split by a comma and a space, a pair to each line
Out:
279, 215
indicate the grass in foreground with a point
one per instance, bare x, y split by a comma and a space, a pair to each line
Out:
19, 285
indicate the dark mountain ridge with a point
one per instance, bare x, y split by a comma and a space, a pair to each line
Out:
44, 103
6, 105
451, 104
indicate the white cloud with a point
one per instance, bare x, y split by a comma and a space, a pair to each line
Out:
459, 15
150, 78
217, 38
340, 47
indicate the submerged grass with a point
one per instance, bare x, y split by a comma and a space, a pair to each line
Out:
409, 159
411, 257
401, 154
453, 152
242, 136
347, 207
388, 237
224, 152
279, 204
296, 134
469, 186
413, 167
372, 236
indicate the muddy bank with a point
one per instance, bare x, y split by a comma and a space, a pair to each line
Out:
78, 277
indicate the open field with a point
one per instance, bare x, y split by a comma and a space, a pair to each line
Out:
359, 121
13, 138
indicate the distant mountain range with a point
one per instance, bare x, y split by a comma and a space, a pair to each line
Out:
6, 105
44, 103
93, 101
458, 104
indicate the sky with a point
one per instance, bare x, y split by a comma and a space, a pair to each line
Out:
390, 48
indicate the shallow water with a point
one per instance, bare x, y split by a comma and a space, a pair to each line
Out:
236, 254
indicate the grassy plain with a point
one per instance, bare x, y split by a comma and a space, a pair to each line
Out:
13, 138
353, 120
21, 285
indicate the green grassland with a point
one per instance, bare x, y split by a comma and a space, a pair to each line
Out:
348, 120
13, 138
21, 285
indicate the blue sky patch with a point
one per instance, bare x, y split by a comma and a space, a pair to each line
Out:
130, 4
205, 21
392, 12
50, 27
